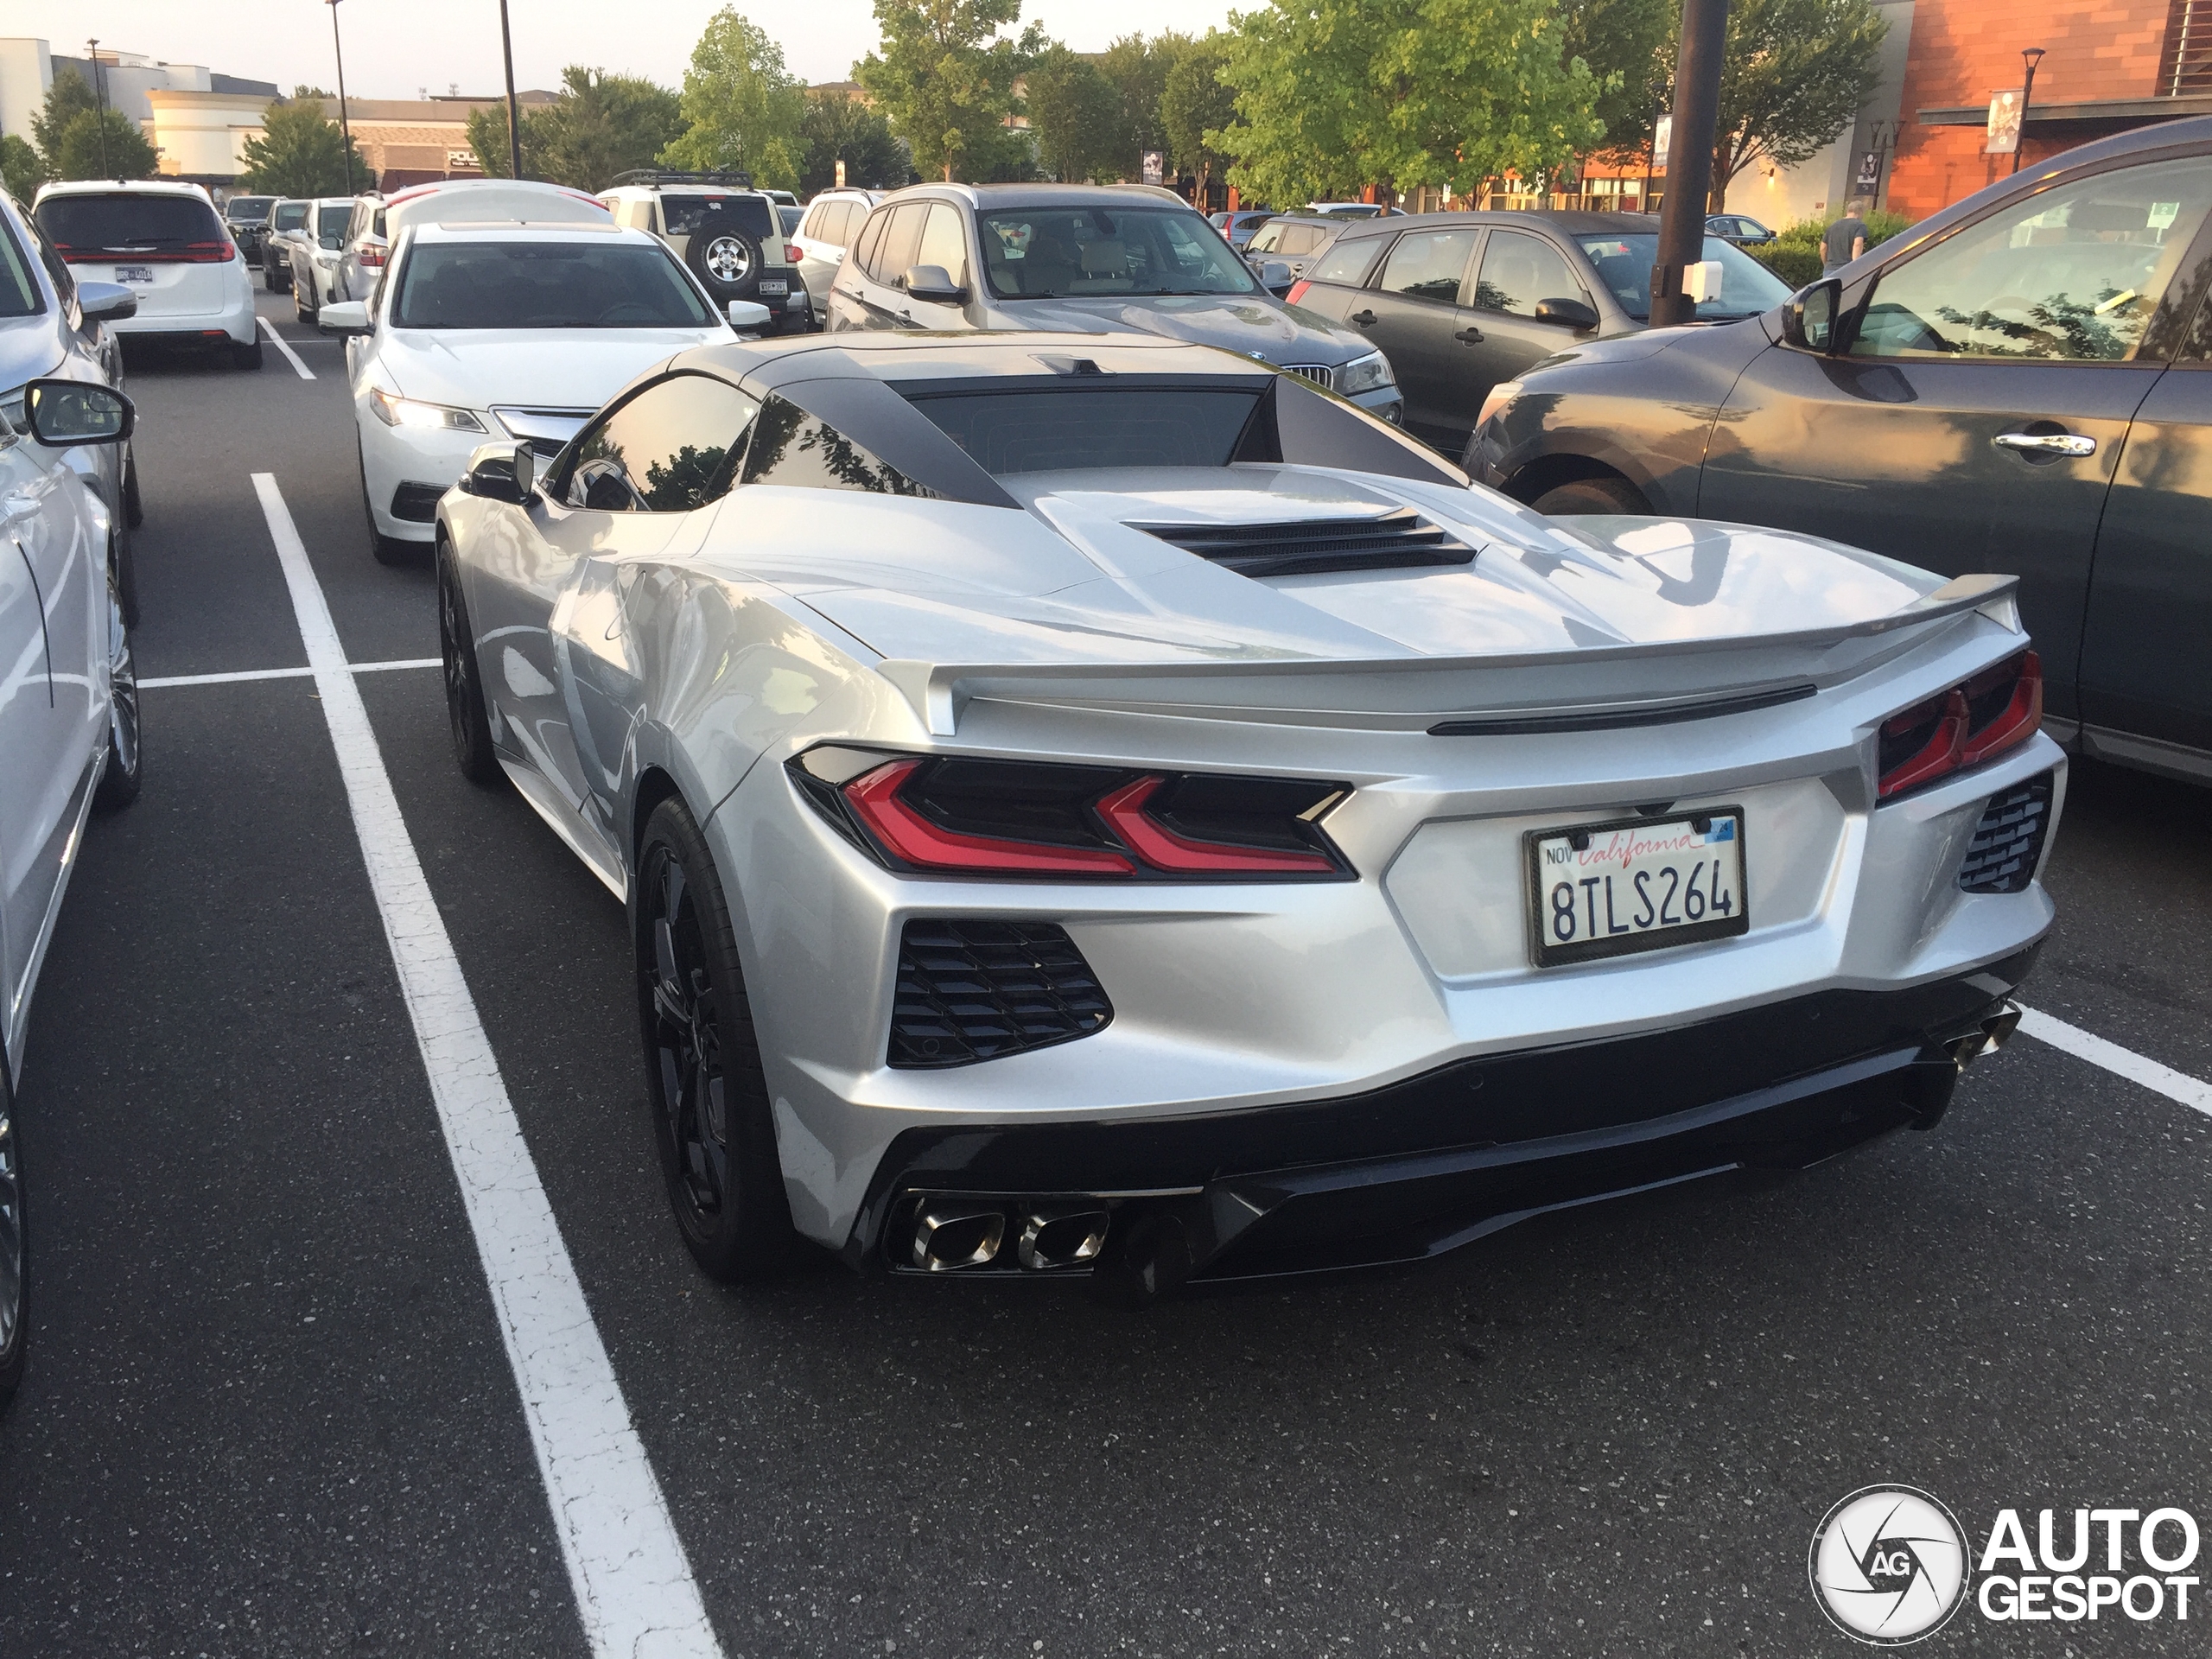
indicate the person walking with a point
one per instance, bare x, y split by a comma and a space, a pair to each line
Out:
1844, 241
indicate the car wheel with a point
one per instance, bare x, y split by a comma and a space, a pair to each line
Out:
728, 261
123, 569
1593, 495
13, 1261
246, 356
301, 310
134, 511
389, 549
126, 760
465, 715
710, 1096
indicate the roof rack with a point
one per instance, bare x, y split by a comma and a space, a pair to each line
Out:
652, 175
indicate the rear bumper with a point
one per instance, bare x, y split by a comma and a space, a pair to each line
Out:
1437, 1160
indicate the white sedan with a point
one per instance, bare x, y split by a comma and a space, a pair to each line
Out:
517, 331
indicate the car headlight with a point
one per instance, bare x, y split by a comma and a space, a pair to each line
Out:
1500, 398
395, 410
1365, 374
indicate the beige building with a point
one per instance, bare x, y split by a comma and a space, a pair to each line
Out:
202, 136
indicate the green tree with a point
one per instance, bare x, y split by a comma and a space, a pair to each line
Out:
944, 76
1193, 102
488, 136
1796, 75
1335, 94
21, 171
1630, 46
109, 146
745, 108
1139, 68
837, 128
69, 97
1077, 118
598, 125
302, 90
300, 152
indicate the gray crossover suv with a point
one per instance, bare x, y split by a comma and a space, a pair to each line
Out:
1086, 259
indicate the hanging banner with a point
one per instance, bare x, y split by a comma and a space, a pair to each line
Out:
2004, 123
1155, 165
1660, 137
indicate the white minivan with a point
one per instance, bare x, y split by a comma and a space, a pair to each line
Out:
165, 242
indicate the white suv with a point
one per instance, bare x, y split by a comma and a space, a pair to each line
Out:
165, 242
725, 231
833, 219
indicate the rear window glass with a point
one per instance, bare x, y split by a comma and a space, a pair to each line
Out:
544, 285
692, 215
124, 221
1079, 428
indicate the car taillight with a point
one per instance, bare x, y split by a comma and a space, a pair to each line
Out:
209, 253
1004, 818
371, 257
1297, 291
1998, 710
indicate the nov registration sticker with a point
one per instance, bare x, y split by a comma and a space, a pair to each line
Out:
1635, 884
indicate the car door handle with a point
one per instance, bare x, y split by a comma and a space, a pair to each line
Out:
1364, 319
2047, 443
1471, 334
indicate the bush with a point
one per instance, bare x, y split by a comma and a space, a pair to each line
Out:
1795, 253
1793, 263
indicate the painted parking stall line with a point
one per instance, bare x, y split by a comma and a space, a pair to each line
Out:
239, 675
285, 346
2176, 1086
634, 1585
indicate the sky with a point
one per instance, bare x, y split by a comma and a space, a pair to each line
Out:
395, 48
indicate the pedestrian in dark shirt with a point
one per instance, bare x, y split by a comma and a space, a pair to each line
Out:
1844, 241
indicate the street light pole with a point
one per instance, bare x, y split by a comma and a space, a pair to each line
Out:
2032, 56
345, 122
514, 121
99, 97
1689, 158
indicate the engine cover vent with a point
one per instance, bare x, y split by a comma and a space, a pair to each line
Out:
1313, 546
972, 990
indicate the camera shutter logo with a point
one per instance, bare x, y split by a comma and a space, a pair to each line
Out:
1889, 1565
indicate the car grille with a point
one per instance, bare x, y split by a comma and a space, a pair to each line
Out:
2001, 857
972, 990
416, 503
1319, 374
546, 431
1309, 547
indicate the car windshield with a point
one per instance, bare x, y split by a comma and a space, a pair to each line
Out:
125, 220
18, 293
545, 285
1038, 253
248, 209
1623, 265
332, 221
1068, 427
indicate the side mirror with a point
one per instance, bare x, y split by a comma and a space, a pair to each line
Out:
748, 316
1577, 315
1809, 320
65, 413
1274, 275
932, 283
345, 317
501, 472
106, 302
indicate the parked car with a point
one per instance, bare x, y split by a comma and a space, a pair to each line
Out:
55, 324
1291, 242
1739, 228
726, 232
286, 220
363, 246
317, 248
164, 242
1351, 210
1236, 227
2022, 382
832, 220
967, 256
518, 331
1461, 302
68, 731
246, 217
1036, 867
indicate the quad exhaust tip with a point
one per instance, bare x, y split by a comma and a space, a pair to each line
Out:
1062, 1238
1995, 1033
947, 1237
951, 1235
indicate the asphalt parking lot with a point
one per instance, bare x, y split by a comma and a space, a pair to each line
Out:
270, 1408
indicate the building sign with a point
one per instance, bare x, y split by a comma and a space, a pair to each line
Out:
1155, 165
2004, 123
461, 160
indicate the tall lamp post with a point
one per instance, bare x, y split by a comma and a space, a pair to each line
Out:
2032, 56
345, 122
99, 97
514, 122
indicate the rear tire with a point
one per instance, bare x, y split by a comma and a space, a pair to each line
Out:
247, 356
465, 715
1593, 495
301, 310
710, 1096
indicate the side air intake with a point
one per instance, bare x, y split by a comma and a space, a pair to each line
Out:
1313, 546
972, 990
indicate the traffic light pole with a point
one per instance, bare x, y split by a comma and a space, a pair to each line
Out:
1689, 158
345, 122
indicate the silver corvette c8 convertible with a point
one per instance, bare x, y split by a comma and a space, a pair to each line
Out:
1097, 806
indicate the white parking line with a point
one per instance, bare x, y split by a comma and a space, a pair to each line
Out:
284, 345
161, 682
2177, 1086
634, 1585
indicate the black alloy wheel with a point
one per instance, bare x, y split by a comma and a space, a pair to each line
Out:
126, 758
711, 1117
465, 715
14, 1262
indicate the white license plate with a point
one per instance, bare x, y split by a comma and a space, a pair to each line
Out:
1635, 884
773, 286
133, 273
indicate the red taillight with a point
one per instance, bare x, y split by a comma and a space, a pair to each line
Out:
209, 253
1164, 849
1998, 710
372, 256
874, 800
1297, 291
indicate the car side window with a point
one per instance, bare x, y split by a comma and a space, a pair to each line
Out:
1429, 264
671, 447
1519, 269
903, 235
1264, 239
944, 242
65, 285
1348, 262
2073, 274
871, 241
791, 446
834, 226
